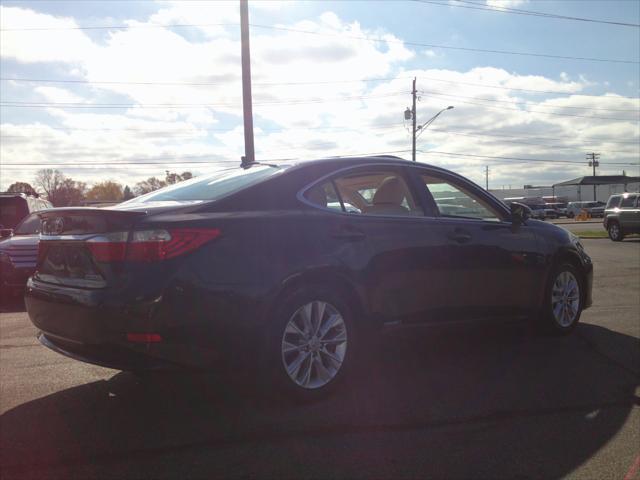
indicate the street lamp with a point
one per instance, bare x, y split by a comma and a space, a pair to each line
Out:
423, 126
430, 121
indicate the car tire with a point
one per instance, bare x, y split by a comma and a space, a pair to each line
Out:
570, 215
615, 231
564, 300
308, 360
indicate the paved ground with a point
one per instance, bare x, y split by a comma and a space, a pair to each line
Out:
451, 403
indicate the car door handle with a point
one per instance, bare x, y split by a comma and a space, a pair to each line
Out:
348, 234
459, 236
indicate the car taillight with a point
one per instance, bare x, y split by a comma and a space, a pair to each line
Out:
149, 245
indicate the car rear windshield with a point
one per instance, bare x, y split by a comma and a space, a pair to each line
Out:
210, 187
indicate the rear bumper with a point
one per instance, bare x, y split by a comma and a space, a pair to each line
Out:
89, 326
109, 356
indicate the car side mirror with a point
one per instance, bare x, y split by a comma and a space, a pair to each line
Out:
520, 213
6, 232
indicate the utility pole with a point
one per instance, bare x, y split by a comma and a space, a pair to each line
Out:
413, 114
486, 177
593, 162
247, 107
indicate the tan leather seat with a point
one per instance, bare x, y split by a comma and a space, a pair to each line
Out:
389, 197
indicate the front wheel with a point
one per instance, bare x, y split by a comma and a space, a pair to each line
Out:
615, 232
564, 303
312, 344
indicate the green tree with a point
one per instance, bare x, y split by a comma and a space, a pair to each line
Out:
107, 191
148, 185
21, 187
172, 177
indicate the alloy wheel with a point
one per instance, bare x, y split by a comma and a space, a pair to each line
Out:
314, 344
565, 299
614, 231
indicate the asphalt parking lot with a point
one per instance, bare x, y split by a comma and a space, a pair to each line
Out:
490, 402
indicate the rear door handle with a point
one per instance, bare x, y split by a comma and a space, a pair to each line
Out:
348, 234
459, 236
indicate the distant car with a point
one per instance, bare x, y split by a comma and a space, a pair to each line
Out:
575, 208
16, 206
560, 208
538, 211
597, 212
260, 268
18, 256
622, 215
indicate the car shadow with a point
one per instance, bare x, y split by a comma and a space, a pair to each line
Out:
446, 402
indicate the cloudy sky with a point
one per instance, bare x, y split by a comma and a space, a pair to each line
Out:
124, 90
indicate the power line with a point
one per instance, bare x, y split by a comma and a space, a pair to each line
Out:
319, 82
564, 147
517, 11
522, 160
13, 103
179, 162
446, 47
523, 102
352, 37
190, 84
388, 126
549, 92
534, 111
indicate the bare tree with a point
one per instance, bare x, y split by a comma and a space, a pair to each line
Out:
60, 190
49, 181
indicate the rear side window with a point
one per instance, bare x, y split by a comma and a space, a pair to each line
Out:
29, 226
210, 187
613, 202
628, 202
324, 196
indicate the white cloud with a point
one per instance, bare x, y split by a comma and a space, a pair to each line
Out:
505, 3
341, 113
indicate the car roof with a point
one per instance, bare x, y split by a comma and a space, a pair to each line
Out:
346, 162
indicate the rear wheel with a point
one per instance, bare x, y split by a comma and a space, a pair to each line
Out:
615, 232
312, 344
564, 303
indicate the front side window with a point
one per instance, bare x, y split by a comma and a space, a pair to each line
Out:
376, 192
628, 202
458, 202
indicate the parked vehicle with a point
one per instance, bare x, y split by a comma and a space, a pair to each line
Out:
559, 207
264, 269
18, 255
575, 208
538, 211
16, 206
622, 215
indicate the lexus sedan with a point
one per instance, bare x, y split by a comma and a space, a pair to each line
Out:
287, 270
